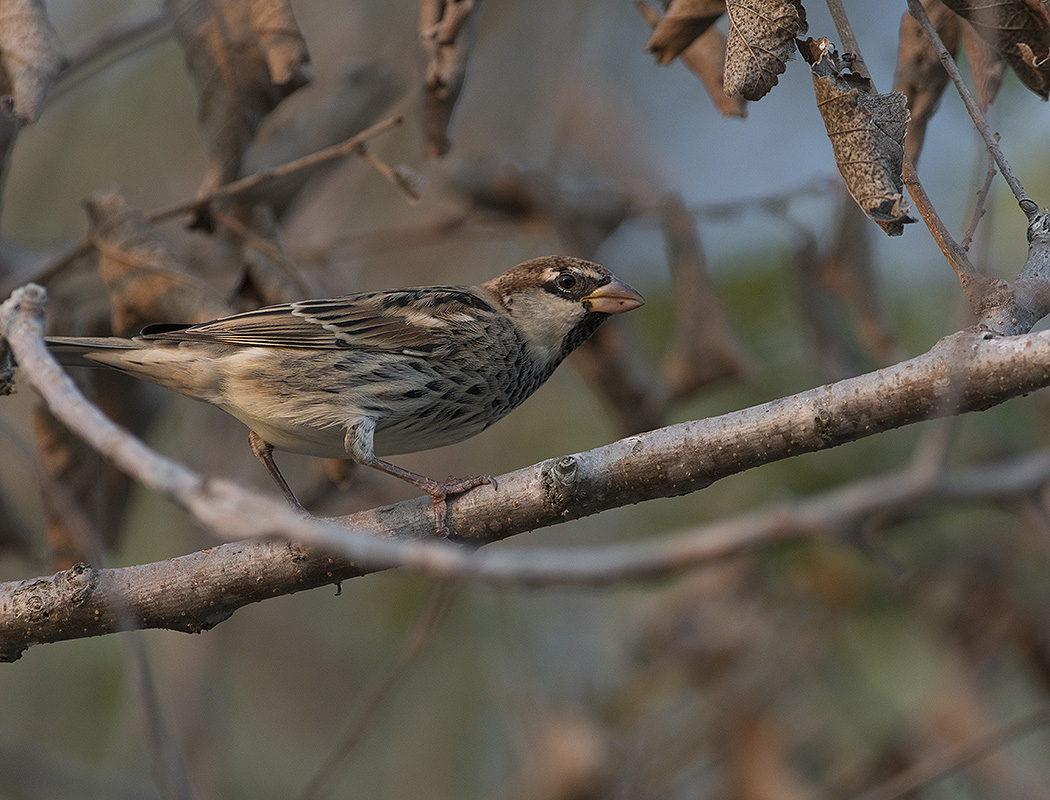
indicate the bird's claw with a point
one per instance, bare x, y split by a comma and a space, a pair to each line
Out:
467, 482
439, 496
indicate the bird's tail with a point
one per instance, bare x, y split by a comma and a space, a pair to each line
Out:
77, 351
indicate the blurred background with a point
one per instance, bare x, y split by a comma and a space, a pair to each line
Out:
816, 669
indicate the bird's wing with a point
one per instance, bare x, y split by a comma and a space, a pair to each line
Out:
417, 321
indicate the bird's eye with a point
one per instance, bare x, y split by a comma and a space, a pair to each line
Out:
565, 281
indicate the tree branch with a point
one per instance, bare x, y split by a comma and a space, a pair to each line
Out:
249, 182
1023, 200
967, 371
933, 769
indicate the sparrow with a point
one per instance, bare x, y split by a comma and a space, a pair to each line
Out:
376, 373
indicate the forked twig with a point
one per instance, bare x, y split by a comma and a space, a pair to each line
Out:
56, 264
348, 147
979, 206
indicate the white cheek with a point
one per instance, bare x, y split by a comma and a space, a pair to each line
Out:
543, 322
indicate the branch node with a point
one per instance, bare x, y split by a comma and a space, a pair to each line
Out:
825, 425
560, 480
35, 601
1038, 222
29, 299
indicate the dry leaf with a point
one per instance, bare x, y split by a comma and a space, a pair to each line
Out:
854, 278
761, 762
684, 22
830, 346
703, 348
705, 58
761, 39
867, 135
244, 57
560, 756
986, 65
146, 283
17, 535
84, 496
1019, 30
920, 74
269, 276
30, 55
279, 39
446, 29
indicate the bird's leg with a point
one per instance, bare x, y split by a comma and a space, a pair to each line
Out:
264, 452
438, 491
359, 437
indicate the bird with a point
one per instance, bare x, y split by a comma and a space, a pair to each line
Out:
376, 373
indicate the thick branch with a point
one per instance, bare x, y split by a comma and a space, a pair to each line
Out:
968, 371
1012, 308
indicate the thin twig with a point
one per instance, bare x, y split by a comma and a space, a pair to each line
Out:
849, 40
428, 620
956, 256
979, 206
775, 203
124, 39
241, 185
58, 263
169, 768
168, 765
1027, 205
939, 767
264, 247
396, 178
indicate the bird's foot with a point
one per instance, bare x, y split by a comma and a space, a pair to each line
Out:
467, 482
439, 492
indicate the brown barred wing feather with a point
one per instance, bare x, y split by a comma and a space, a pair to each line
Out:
420, 322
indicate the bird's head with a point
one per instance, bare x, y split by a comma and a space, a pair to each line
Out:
557, 302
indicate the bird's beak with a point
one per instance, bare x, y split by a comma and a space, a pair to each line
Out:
615, 297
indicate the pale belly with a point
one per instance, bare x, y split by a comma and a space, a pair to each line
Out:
415, 405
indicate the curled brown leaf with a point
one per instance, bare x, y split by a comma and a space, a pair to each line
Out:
761, 39
986, 65
30, 56
703, 349
244, 59
705, 58
279, 39
867, 132
1019, 31
684, 22
919, 73
446, 29
146, 282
